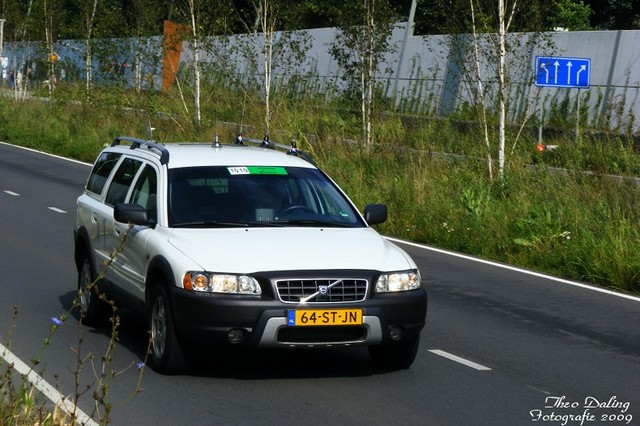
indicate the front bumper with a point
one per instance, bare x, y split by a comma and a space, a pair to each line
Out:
209, 318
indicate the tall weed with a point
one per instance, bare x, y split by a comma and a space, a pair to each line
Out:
431, 171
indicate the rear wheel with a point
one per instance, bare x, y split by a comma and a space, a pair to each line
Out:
166, 353
395, 355
92, 309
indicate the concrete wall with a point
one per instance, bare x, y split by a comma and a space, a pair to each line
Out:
437, 74
425, 74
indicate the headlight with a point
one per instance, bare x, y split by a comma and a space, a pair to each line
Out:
398, 281
221, 283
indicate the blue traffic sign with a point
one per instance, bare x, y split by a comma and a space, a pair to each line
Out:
562, 71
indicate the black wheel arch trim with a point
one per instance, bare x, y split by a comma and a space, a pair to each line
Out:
82, 245
159, 269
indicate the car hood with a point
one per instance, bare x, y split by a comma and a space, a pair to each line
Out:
247, 250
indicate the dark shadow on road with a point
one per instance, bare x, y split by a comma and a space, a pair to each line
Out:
241, 363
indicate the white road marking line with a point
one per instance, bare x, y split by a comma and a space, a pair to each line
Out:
514, 268
46, 153
15, 194
44, 387
538, 390
460, 360
57, 210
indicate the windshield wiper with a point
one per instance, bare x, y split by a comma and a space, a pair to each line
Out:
266, 223
209, 224
221, 224
309, 222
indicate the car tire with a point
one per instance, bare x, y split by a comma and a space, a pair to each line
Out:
92, 309
166, 354
395, 355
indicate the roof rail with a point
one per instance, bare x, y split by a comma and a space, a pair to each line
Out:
137, 143
267, 143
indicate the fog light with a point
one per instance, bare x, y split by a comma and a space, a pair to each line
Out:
395, 333
236, 336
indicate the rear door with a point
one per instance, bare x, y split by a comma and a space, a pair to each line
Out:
118, 191
92, 212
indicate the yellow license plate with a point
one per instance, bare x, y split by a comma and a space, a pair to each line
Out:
303, 317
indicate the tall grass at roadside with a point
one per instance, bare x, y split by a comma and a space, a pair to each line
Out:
568, 224
21, 404
430, 171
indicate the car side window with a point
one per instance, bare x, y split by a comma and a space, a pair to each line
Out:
121, 182
145, 192
101, 171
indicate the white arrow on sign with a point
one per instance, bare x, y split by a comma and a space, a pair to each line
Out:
555, 77
544, 67
582, 68
569, 66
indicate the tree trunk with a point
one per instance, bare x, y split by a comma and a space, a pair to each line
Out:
267, 52
88, 51
502, 108
485, 127
196, 64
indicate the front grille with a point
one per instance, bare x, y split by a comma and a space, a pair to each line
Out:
333, 290
317, 335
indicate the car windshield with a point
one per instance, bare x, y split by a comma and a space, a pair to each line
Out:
218, 196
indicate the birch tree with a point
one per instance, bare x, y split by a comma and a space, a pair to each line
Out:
269, 43
505, 11
144, 18
194, 14
359, 48
202, 18
267, 18
89, 15
505, 17
481, 91
50, 9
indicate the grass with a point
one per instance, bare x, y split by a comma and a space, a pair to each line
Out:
569, 223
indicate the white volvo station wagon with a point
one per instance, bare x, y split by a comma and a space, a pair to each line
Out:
237, 245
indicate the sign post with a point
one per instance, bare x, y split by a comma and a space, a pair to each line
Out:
2, 21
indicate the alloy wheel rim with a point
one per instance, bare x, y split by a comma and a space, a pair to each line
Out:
84, 290
159, 328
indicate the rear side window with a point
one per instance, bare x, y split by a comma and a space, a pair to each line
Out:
145, 192
122, 181
101, 171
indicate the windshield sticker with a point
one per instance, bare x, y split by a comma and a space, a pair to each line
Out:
257, 170
238, 170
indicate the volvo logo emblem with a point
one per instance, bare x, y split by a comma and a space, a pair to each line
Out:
323, 289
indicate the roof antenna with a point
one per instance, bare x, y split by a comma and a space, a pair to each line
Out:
293, 148
244, 104
265, 141
150, 131
216, 142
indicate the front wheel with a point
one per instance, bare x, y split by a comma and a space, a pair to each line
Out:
92, 309
395, 355
166, 353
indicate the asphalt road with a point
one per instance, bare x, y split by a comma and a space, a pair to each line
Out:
501, 346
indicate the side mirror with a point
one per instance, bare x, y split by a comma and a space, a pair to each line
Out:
375, 213
131, 213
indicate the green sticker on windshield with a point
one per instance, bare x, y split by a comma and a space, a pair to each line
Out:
257, 170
